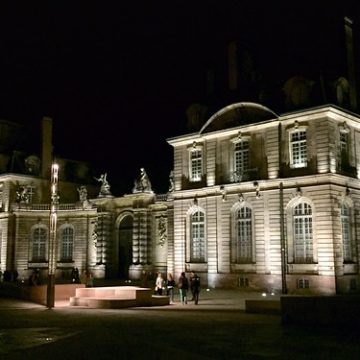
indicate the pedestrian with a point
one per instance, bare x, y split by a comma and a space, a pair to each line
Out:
195, 287
159, 284
170, 285
183, 285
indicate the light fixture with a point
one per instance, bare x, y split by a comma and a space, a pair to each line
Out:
223, 192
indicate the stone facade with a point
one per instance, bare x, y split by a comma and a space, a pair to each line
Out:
269, 205
257, 201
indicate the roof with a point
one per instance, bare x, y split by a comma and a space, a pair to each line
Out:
238, 114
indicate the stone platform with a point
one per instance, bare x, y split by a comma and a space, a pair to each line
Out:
117, 297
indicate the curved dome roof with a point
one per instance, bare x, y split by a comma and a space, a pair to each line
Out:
237, 114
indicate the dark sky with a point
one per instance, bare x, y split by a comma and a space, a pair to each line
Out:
116, 77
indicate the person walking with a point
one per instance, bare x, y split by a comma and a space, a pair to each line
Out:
195, 287
170, 285
159, 284
183, 285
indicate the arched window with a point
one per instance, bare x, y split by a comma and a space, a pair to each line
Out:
303, 234
67, 243
39, 244
242, 243
346, 233
197, 245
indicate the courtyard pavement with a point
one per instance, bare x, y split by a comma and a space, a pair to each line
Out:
216, 328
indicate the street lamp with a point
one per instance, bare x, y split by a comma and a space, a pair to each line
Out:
50, 300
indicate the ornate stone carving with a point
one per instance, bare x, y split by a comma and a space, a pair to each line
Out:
162, 231
23, 194
105, 186
142, 183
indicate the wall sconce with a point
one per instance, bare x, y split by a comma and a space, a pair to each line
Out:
241, 198
223, 192
298, 192
257, 189
195, 200
194, 145
296, 124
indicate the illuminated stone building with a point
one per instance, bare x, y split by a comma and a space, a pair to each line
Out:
268, 202
25, 209
257, 201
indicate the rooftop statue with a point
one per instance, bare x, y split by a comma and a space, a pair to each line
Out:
105, 186
142, 183
83, 194
171, 181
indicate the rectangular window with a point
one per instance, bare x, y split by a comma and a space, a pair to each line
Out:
303, 236
343, 142
243, 236
243, 282
303, 284
39, 245
196, 165
241, 159
67, 244
198, 237
346, 233
298, 149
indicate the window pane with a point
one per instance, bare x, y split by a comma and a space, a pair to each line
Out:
241, 159
39, 244
197, 237
243, 246
303, 238
67, 243
346, 233
298, 148
196, 165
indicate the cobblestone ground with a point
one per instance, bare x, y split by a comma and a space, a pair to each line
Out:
217, 328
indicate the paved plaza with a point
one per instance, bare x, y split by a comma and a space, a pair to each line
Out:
217, 328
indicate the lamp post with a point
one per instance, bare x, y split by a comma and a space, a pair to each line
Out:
50, 300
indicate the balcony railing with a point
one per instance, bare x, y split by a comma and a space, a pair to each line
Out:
46, 207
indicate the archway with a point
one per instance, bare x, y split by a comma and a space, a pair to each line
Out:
125, 246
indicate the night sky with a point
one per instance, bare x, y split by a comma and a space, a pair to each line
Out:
117, 78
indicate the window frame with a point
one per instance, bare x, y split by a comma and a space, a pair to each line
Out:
347, 233
302, 227
300, 159
244, 152
38, 243
196, 164
67, 244
198, 252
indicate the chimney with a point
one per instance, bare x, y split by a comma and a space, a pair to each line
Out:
46, 146
350, 62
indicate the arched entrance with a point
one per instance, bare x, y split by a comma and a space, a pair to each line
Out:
125, 246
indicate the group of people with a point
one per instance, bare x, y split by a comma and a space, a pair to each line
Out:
183, 285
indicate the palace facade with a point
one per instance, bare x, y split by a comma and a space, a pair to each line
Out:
256, 200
